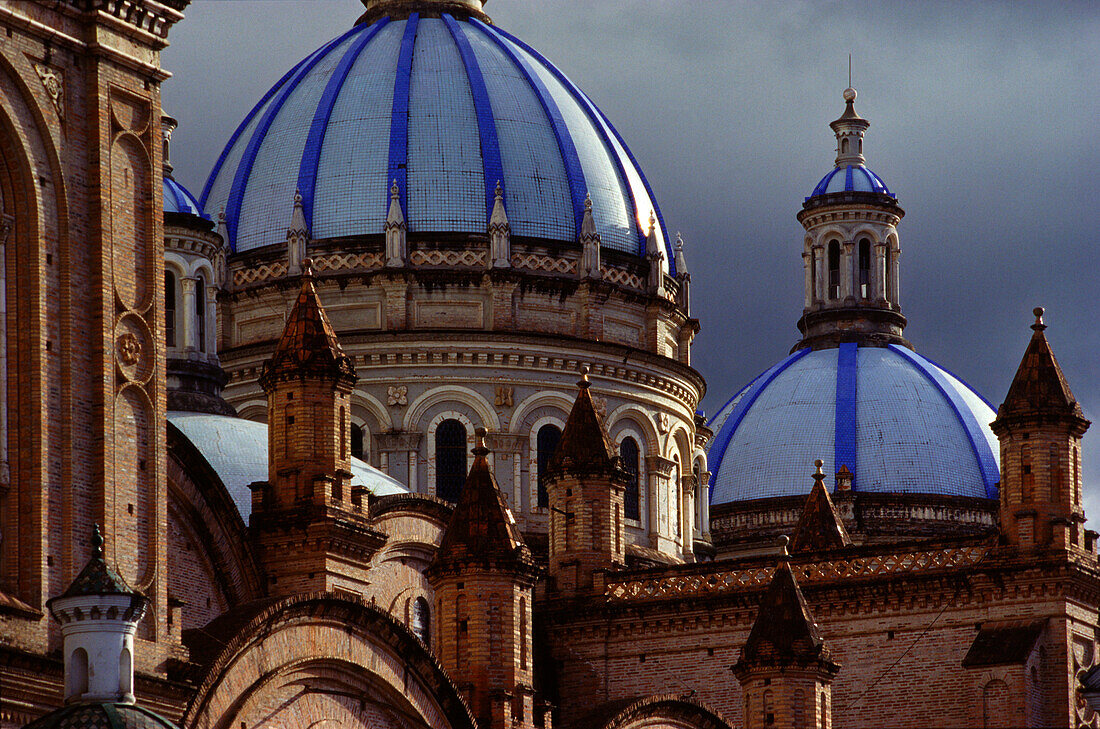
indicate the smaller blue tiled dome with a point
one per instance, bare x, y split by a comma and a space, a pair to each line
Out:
899, 422
851, 178
177, 199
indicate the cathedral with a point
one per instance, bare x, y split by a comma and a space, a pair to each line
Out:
394, 423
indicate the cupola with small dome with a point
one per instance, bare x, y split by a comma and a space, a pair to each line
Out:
853, 391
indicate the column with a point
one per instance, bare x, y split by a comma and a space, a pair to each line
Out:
687, 511
808, 265
892, 274
212, 323
846, 285
819, 273
187, 285
704, 503
878, 273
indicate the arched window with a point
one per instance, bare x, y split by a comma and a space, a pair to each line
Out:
343, 433
523, 633
450, 459
834, 270
200, 312
864, 268
169, 308
356, 441
78, 673
547, 443
769, 708
844, 146
421, 621
628, 451
125, 672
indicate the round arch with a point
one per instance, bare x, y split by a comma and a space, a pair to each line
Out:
365, 653
663, 712
557, 400
455, 394
642, 420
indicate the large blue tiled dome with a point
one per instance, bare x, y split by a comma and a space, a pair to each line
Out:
899, 422
446, 107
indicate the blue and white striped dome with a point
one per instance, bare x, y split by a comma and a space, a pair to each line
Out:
446, 107
851, 178
177, 199
899, 422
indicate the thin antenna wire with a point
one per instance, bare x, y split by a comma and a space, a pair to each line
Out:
849, 70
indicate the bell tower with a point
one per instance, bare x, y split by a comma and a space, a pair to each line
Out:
850, 249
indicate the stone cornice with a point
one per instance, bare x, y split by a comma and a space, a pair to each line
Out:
688, 387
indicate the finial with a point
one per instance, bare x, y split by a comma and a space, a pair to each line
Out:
499, 192
588, 202
849, 95
97, 543
679, 241
652, 222
584, 384
307, 268
819, 475
480, 449
222, 220
395, 191
1038, 326
783, 542
297, 196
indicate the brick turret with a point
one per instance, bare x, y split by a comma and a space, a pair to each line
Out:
1040, 425
785, 669
311, 525
585, 484
483, 577
819, 527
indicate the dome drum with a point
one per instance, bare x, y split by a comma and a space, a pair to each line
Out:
874, 325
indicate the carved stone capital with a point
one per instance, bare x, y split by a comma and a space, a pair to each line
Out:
660, 466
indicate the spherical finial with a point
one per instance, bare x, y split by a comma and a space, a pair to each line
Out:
307, 267
818, 464
1038, 311
783, 542
849, 94
480, 434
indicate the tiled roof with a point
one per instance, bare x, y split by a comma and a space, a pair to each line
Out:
899, 422
584, 444
1039, 385
482, 526
447, 107
308, 346
784, 631
98, 577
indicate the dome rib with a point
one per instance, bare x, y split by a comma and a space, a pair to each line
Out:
597, 121
573, 171
244, 169
231, 145
844, 439
311, 155
493, 168
399, 120
986, 462
331, 129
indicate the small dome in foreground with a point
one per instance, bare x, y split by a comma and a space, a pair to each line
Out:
851, 178
101, 716
177, 199
900, 423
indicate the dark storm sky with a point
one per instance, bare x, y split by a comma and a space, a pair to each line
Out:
984, 123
